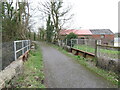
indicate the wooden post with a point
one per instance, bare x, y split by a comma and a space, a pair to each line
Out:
96, 51
66, 42
77, 43
71, 43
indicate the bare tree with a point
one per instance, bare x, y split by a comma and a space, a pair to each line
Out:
59, 14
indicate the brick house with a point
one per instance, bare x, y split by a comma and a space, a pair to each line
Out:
105, 35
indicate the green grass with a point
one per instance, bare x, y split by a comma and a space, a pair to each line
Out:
33, 76
109, 51
92, 50
110, 76
105, 52
85, 48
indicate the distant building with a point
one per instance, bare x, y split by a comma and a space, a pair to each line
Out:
105, 35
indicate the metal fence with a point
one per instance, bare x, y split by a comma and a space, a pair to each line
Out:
12, 50
108, 52
108, 57
105, 54
87, 45
20, 47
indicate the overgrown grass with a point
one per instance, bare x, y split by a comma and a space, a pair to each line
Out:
92, 50
85, 48
32, 76
110, 76
104, 52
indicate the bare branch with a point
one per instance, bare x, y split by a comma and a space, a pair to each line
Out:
57, 12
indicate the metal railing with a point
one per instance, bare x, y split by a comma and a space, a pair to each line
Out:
21, 46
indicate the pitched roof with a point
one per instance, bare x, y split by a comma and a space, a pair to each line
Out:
101, 31
78, 32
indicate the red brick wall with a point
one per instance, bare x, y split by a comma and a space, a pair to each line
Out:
96, 36
110, 37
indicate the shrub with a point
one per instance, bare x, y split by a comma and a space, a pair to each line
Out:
69, 37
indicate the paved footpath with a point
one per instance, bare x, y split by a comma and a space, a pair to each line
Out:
63, 72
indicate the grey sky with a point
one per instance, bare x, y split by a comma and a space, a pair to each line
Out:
88, 14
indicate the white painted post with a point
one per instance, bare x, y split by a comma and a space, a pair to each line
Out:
86, 44
66, 41
22, 47
77, 43
15, 50
71, 43
27, 44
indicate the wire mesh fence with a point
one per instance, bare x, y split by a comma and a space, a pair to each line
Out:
108, 57
108, 52
7, 53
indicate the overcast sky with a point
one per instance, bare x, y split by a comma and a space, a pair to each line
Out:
89, 14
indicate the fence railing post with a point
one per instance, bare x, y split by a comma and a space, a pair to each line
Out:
22, 47
77, 43
15, 50
66, 41
96, 51
27, 45
71, 43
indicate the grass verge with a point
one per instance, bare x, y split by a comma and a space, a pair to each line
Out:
110, 53
32, 76
110, 76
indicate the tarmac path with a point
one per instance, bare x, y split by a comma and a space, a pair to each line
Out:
63, 72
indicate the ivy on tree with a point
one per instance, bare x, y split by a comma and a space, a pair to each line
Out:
49, 30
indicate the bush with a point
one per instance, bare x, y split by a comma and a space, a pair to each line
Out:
69, 37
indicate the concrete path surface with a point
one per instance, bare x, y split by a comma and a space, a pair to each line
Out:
63, 72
